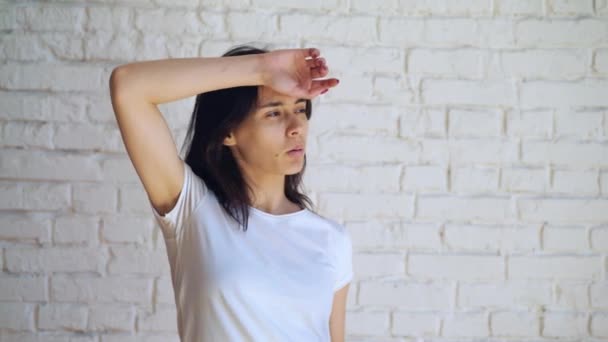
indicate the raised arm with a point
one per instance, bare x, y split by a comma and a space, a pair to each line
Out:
137, 88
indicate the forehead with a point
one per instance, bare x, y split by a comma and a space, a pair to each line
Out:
267, 95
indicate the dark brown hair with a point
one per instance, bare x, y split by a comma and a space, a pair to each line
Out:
215, 114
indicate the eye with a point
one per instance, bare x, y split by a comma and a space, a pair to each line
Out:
271, 114
303, 110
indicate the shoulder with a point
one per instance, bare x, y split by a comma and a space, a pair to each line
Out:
330, 223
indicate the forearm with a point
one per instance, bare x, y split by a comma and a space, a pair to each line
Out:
166, 80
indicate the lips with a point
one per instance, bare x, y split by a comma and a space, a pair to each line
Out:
297, 148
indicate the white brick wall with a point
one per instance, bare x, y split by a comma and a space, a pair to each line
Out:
465, 149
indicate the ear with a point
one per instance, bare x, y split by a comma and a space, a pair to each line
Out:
229, 140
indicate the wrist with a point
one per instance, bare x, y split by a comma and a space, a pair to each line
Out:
262, 72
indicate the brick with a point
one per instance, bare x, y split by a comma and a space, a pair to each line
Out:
570, 8
578, 124
550, 267
563, 210
175, 22
23, 288
599, 238
560, 33
76, 230
556, 238
545, 63
377, 59
564, 153
415, 323
506, 294
12, 195
575, 182
137, 260
110, 19
482, 151
529, 123
376, 234
25, 228
17, 316
127, 229
519, 7
103, 138
524, 180
355, 206
514, 324
454, 266
30, 134
47, 76
48, 165
46, 196
425, 122
401, 31
41, 107
417, 295
344, 178
392, 90
103, 317
108, 46
163, 319
463, 208
368, 323
94, 198
450, 32
474, 180
53, 18
368, 265
598, 294
599, 324
463, 63
474, 123
344, 29
367, 148
61, 316
108, 289
355, 119
564, 324
23, 47
424, 178
572, 295
239, 25
313, 5
55, 259
600, 61
355, 89
466, 324
461, 92
491, 238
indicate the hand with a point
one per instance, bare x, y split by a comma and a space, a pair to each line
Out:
295, 72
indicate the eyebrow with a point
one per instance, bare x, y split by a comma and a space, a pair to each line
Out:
279, 103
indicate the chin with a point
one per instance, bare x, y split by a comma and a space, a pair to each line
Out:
293, 169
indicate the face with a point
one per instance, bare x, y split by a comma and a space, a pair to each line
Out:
261, 143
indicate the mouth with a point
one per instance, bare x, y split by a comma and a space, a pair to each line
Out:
298, 148
296, 151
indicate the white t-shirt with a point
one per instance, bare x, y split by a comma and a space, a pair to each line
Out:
273, 282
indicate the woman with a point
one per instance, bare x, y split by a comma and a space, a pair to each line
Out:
249, 260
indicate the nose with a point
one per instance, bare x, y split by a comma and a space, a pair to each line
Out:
296, 125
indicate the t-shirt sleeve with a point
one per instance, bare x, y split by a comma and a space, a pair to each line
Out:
343, 253
192, 192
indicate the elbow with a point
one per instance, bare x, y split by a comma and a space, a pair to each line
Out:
116, 81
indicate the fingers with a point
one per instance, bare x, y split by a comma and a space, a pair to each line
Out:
319, 86
313, 52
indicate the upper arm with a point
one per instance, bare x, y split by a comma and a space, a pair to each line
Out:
149, 145
337, 320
